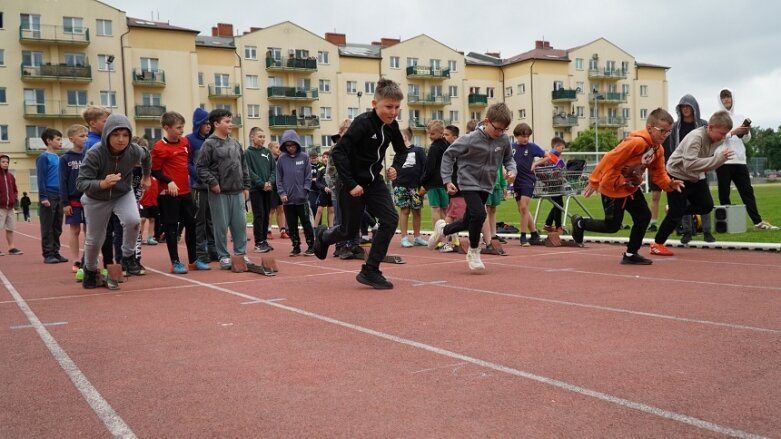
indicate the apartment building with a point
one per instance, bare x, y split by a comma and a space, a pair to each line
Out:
57, 58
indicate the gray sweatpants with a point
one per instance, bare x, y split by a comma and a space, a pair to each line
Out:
97, 214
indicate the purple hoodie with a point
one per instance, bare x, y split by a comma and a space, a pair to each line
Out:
294, 172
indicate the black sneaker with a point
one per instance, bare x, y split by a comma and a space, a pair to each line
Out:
686, 238
90, 279
320, 248
374, 279
635, 259
577, 229
653, 228
61, 258
51, 260
708, 236
535, 238
309, 251
130, 265
295, 251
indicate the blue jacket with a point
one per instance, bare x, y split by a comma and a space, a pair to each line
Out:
200, 117
294, 172
70, 162
47, 168
92, 139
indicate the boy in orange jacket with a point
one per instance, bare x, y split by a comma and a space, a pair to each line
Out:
618, 177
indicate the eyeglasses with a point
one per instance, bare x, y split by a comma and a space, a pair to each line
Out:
501, 130
663, 132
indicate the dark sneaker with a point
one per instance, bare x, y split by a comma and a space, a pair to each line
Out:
535, 238
635, 259
709, 237
653, 228
61, 258
15, 252
686, 238
110, 283
130, 265
309, 251
295, 251
320, 248
374, 279
577, 229
90, 279
51, 260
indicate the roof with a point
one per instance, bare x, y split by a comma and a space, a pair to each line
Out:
652, 66
481, 59
218, 42
137, 22
543, 54
360, 50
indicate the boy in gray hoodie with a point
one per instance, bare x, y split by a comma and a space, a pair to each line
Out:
105, 178
294, 171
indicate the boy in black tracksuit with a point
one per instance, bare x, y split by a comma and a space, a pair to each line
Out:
358, 159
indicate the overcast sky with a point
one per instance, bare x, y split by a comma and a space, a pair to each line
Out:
707, 44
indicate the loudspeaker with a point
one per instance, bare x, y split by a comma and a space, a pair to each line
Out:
730, 218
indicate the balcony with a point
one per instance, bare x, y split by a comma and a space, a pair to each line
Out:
54, 35
52, 109
149, 112
58, 72
611, 74
307, 65
419, 123
284, 121
562, 95
478, 100
610, 97
292, 94
224, 91
148, 78
429, 100
425, 72
564, 120
237, 122
608, 122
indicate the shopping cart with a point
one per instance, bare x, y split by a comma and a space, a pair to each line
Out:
559, 182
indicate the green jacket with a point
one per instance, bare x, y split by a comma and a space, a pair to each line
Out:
262, 167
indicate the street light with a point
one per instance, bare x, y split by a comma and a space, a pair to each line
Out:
360, 93
109, 63
594, 91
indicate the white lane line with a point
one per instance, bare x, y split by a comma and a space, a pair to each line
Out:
255, 302
625, 403
44, 324
113, 422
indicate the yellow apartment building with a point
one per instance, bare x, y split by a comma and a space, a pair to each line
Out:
58, 57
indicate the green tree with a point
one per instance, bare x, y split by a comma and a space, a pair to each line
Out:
586, 140
765, 143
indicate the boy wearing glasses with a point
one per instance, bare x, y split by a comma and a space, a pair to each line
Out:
688, 164
478, 155
618, 177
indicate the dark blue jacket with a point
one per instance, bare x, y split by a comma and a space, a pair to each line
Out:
70, 162
200, 117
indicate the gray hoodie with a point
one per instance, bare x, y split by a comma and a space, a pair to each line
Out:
478, 157
222, 162
99, 162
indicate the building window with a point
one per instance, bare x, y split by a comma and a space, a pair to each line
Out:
352, 87
643, 90
108, 99
610, 66
394, 62
151, 99
522, 113
412, 62
508, 91
451, 65
413, 90
103, 64
1, 21
4, 138
275, 110
643, 113
490, 92
274, 53
453, 117
368, 87
325, 85
153, 134
77, 98
625, 67
352, 112
75, 59
435, 64
32, 59
103, 28
253, 111
325, 113
73, 25
2, 57
452, 91
3, 97
625, 112
326, 141
30, 22
580, 111
251, 81
521, 89
200, 79
251, 52
323, 58
475, 115
578, 63
593, 64
625, 89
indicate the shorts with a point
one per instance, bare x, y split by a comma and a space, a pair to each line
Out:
150, 212
275, 200
407, 197
495, 198
524, 191
76, 218
7, 220
438, 197
457, 208
325, 200
173, 209
652, 187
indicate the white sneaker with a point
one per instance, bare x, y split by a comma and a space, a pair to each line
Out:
446, 248
437, 235
473, 259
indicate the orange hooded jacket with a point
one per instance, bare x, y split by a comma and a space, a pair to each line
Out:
637, 148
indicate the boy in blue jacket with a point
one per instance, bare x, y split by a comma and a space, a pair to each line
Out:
294, 181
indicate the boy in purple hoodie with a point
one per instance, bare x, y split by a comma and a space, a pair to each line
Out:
294, 181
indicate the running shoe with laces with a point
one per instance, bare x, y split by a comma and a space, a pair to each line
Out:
437, 235
178, 268
199, 265
15, 252
374, 279
225, 264
131, 266
660, 250
635, 259
764, 225
473, 260
686, 238
447, 248
320, 248
419, 241
577, 229
310, 251
405, 242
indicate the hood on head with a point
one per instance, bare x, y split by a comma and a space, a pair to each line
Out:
690, 101
721, 106
114, 122
200, 117
290, 136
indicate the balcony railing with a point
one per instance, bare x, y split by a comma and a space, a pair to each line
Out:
614, 74
429, 99
291, 63
610, 97
224, 91
58, 109
608, 122
476, 100
57, 72
562, 95
151, 78
565, 120
51, 34
292, 121
149, 111
427, 72
237, 122
292, 94
419, 123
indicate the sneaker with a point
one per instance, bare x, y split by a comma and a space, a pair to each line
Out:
653, 227
405, 242
76, 267
446, 248
499, 238
660, 250
178, 268
686, 238
59, 257
764, 225
365, 240
51, 260
266, 247
473, 259
225, 264
131, 266
260, 249
635, 259
524, 242
708, 237
419, 241
374, 279
535, 238
80, 275
15, 252
90, 280
151, 241
199, 265
491, 250
435, 237
295, 251
283, 234
110, 283
321, 248
310, 251
577, 229
141, 268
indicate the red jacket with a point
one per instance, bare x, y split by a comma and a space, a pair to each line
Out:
170, 161
149, 198
8, 191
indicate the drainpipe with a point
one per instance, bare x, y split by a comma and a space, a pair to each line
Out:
124, 84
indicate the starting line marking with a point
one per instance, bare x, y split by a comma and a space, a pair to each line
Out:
44, 324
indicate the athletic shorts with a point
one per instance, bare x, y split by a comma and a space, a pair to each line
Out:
325, 200
406, 197
495, 198
275, 200
7, 220
652, 187
76, 218
456, 208
149, 212
438, 197
172, 209
524, 191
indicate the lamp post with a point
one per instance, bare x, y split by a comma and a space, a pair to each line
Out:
596, 122
360, 93
109, 63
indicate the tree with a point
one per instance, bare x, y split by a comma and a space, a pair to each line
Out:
766, 143
586, 140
